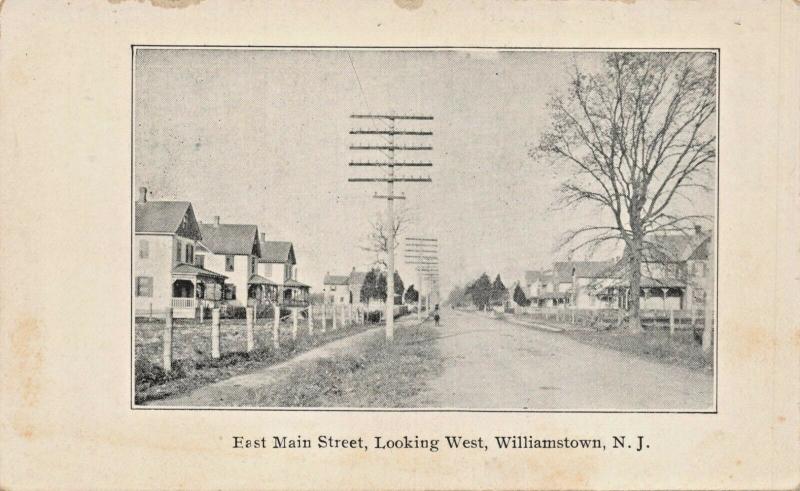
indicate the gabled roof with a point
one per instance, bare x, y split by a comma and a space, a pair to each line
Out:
357, 278
294, 283
675, 247
167, 217
532, 276
584, 269
230, 238
193, 270
276, 251
260, 280
336, 279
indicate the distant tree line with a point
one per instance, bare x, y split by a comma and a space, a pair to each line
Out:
374, 287
481, 293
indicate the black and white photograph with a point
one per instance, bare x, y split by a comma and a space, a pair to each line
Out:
432, 229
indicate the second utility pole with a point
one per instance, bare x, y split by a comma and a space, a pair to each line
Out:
389, 150
390, 239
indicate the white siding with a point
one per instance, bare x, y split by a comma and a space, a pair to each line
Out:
157, 265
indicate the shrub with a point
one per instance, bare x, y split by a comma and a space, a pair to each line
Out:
148, 373
233, 312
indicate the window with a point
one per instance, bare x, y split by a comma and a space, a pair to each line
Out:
228, 263
189, 253
144, 249
200, 260
178, 251
144, 286
230, 291
333, 288
252, 265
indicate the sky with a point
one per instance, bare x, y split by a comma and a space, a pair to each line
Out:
261, 136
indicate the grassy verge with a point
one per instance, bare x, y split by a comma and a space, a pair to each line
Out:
375, 374
192, 366
680, 349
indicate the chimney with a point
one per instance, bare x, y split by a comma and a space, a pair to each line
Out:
263, 236
216, 220
698, 229
142, 195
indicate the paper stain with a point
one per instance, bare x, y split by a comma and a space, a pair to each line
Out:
166, 4
409, 4
26, 368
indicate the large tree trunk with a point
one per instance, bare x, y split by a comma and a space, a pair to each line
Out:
635, 266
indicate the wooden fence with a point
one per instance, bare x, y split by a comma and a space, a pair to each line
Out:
651, 318
211, 337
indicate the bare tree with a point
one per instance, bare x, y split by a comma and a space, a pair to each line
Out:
638, 141
377, 240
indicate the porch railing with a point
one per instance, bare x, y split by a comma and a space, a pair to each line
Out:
184, 303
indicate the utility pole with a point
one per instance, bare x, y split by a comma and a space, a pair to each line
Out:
389, 148
423, 253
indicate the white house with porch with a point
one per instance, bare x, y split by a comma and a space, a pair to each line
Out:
166, 238
233, 249
278, 264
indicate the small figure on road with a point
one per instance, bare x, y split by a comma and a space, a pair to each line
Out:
436, 315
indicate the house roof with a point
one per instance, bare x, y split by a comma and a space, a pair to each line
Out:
295, 284
336, 279
260, 280
584, 269
675, 247
357, 278
192, 270
532, 276
166, 217
230, 238
276, 251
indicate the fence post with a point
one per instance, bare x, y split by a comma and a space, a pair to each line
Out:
671, 322
250, 315
215, 333
276, 309
294, 322
333, 323
310, 319
167, 353
573, 316
324, 318
202, 312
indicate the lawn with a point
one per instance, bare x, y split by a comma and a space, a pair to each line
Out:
681, 348
192, 363
375, 374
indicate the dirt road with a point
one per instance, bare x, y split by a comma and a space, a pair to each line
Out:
495, 364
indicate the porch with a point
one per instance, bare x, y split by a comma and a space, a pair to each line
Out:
295, 294
261, 291
194, 287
